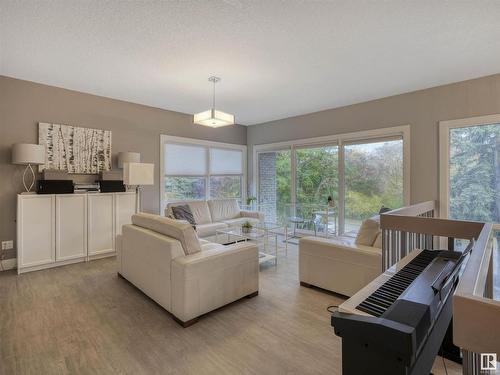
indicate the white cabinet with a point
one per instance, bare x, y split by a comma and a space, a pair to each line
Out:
101, 223
125, 204
35, 230
71, 226
60, 229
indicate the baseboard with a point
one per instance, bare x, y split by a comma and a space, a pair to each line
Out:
103, 255
8, 264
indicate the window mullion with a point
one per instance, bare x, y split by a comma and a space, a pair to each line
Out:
341, 188
207, 174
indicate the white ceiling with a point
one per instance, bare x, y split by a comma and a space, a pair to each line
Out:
276, 58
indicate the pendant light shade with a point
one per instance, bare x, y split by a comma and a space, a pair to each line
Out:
212, 117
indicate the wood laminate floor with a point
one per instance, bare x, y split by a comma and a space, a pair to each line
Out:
83, 319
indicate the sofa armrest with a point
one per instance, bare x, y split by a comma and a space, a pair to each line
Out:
212, 278
252, 214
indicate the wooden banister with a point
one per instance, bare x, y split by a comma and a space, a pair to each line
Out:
476, 316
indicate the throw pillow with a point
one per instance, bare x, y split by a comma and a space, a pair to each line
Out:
183, 212
378, 241
368, 232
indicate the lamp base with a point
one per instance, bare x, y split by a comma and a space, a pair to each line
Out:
33, 178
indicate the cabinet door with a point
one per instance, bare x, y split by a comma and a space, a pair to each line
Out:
71, 226
101, 223
124, 208
35, 230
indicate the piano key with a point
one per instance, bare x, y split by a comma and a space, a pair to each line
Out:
385, 295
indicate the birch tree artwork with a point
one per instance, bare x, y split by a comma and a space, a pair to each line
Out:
75, 149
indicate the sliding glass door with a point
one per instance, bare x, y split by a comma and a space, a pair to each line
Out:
295, 180
317, 174
373, 179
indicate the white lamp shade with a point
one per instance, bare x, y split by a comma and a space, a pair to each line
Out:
138, 173
128, 157
26, 153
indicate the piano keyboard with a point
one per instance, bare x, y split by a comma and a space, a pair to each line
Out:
382, 298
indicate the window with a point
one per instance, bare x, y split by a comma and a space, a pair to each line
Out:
196, 169
470, 175
361, 171
184, 188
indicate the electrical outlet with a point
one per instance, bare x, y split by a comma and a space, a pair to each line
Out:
7, 245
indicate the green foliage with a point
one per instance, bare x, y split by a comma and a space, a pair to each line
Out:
250, 200
317, 175
373, 174
475, 173
361, 206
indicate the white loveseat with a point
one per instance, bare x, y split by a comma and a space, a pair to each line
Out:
216, 214
342, 265
186, 276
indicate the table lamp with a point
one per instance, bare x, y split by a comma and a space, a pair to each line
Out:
138, 174
28, 154
128, 157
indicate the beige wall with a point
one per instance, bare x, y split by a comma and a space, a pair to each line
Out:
134, 128
137, 128
422, 110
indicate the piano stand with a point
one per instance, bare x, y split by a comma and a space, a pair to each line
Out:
448, 349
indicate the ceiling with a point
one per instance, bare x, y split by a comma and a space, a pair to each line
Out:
276, 58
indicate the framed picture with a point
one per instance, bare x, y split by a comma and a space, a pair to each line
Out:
75, 149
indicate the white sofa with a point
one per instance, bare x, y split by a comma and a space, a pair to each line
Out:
342, 265
186, 276
216, 214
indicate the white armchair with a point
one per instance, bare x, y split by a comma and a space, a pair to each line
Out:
186, 276
341, 264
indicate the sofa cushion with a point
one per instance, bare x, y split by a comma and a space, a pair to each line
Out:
223, 209
368, 231
183, 212
181, 231
206, 230
210, 246
201, 213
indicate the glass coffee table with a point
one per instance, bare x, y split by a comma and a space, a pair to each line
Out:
260, 235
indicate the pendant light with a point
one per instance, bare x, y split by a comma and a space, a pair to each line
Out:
213, 118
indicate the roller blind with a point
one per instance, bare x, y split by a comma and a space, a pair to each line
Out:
224, 161
184, 160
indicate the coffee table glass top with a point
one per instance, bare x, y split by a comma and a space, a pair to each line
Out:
268, 226
253, 234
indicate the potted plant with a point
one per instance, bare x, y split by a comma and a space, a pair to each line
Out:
250, 200
246, 227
